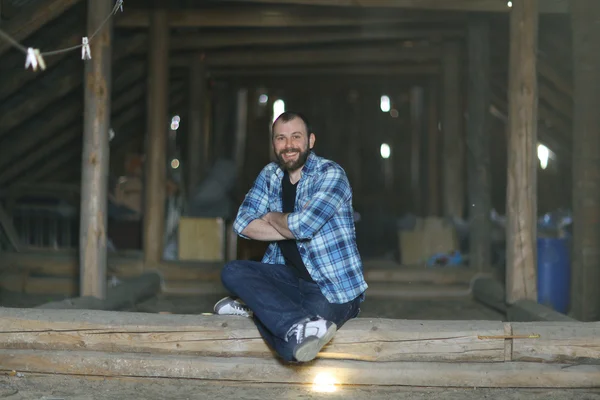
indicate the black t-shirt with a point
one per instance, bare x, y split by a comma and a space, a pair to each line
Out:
289, 247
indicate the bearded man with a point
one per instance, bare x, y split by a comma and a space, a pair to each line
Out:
310, 280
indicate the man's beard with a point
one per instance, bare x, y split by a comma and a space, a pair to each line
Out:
293, 165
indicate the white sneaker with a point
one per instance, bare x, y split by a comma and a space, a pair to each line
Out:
310, 335
232, 306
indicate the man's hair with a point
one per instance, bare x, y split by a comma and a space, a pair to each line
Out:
291, 115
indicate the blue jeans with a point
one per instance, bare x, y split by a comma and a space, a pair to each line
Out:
279, 299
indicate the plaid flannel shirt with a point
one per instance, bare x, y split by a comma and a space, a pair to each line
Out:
322, 222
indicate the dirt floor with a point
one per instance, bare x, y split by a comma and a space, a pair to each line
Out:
57, 387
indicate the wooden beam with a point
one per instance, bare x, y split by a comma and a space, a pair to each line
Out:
585, 298
528, 310
371, 341
364, 352
433, 151
95, 157
241, 130
121, 124
341, 70
197, 41
547, 6
56, 83
11, 83
124, 295
156, 150
272, 17
417, 106
247, 370
521, 205
478, 144
332, 55
32, 19
454, 141
196, 162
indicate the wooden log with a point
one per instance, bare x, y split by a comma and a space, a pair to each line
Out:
467, 375
585, 297
583, 342
478, 145
156, 157
383, 340
95, 160
507, 375
453, 143
196, 161
528, 310
37, 15
490, 291
522, 139
125, 295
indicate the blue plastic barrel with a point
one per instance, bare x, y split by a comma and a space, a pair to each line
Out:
554, 273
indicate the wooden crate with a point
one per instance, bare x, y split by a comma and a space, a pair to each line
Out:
202, 239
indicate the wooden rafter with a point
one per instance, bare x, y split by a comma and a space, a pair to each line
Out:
303, 37
274, 16
546, 6
33, 18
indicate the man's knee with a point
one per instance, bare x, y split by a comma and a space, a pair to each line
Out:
233, 272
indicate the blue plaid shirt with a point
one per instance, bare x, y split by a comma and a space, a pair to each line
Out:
322, 222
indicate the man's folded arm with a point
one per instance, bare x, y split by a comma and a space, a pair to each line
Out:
332, 192
248, 223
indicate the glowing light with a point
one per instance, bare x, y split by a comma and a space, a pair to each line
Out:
509, 4
263, 98
278, 108
324, 383
543, 154
385, 150
174, 163
175, 122
384, 103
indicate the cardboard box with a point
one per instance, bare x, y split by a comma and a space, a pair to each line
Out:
431, 235
201, 239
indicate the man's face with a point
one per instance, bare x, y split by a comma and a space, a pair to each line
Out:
291, 143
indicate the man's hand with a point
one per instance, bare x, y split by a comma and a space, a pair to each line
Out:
279, 221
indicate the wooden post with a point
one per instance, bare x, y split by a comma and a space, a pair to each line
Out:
478, 144
416, 123
95, 160
433, 153
196, 161
156, 157
453, 146
241, 129
521, 203
585, 297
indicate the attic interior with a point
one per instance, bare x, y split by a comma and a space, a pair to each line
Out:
395, 94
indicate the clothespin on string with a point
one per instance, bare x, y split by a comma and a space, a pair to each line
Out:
34, 59
86, 53
119, 5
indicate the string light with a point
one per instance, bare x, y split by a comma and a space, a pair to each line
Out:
35, 58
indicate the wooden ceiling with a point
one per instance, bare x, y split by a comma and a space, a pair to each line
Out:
251, 40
